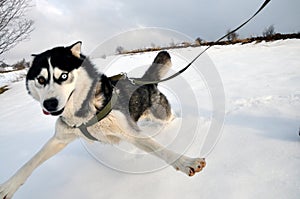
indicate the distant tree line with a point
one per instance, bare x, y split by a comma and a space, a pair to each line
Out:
17, 66
269, 31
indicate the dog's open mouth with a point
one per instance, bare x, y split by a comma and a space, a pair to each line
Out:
56, 113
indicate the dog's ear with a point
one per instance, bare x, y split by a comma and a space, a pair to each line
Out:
76, 49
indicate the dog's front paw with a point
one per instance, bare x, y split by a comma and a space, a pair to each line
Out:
189, 166
7, 190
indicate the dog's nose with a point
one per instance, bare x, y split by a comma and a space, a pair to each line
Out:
51, 104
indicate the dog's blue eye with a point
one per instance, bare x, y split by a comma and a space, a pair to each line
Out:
64, 76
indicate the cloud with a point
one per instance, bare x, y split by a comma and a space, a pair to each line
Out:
93, 21
48, 10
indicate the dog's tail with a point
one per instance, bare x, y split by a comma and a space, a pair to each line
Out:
159, 68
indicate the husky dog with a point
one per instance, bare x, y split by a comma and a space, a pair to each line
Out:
67, 85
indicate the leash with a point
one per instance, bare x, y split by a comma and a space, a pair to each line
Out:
136, 81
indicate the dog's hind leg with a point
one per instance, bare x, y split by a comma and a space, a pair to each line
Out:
160, 107
53, 146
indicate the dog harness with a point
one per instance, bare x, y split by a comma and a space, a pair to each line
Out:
105, 110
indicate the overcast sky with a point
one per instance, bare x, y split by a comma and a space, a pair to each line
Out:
62, 22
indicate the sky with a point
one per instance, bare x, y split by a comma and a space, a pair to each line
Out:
94, 21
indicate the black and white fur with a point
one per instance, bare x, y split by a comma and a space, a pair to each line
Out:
67, 85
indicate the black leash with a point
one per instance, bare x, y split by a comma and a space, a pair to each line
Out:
136, 81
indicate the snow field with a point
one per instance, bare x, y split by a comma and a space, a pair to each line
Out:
256, 157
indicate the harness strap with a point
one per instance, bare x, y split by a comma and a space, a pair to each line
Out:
86, 133
105, 111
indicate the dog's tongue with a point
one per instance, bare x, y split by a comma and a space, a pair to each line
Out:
45, 112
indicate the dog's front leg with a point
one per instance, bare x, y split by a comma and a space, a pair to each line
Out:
180, 162
53, 146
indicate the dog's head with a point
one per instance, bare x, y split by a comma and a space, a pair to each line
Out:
52, 76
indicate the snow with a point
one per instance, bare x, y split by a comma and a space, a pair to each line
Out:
257, 155
9, 77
